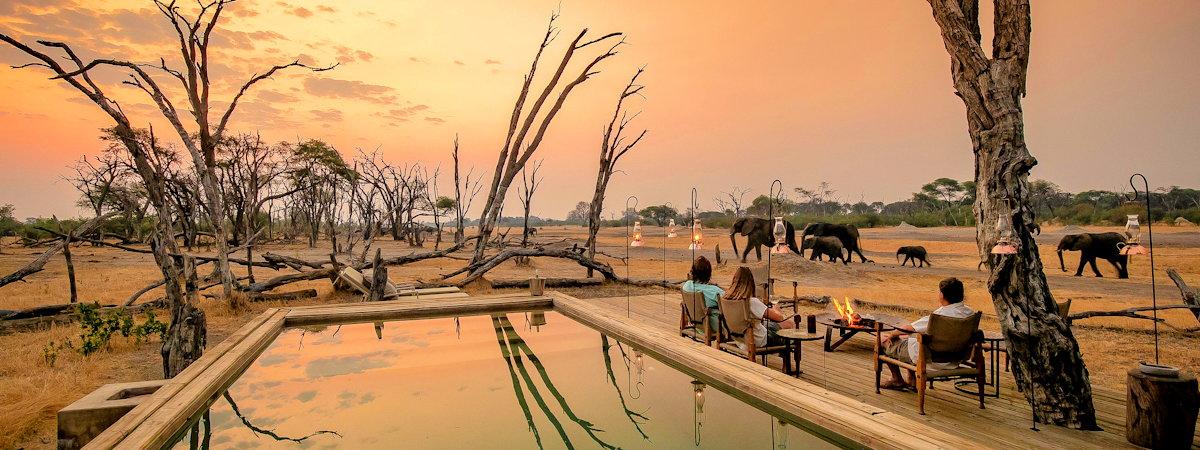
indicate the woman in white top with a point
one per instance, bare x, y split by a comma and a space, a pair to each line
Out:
770, 318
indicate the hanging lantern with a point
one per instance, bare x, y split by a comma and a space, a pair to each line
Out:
671, 229
637, 234
1005, 244
639, 363
1133, 229
780, 233
697, 236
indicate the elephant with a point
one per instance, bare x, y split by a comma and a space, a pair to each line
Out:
1092, 246
848, 234
825, 246
914, 253
760, 232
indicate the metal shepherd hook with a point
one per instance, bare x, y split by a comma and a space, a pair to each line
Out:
774, 196
626, 211
666, 233
692, 224
1150, 232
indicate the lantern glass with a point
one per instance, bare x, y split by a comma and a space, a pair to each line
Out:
671, 229
698, 390
1005, 245
1133, 229
697, 235
780, 233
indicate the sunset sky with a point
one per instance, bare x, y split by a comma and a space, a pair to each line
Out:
857, 93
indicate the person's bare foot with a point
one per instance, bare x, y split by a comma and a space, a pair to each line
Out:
895, 385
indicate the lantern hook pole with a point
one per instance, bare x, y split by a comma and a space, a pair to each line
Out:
1150, 243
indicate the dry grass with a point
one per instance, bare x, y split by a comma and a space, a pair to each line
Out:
33, 391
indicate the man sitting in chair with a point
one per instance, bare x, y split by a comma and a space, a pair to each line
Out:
906, 349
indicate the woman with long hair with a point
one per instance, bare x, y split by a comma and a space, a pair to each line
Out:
770, 318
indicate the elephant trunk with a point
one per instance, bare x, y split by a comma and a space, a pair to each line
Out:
897, 256
1061, 265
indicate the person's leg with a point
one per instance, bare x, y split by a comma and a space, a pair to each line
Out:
895, 348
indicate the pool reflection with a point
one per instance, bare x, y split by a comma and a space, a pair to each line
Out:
536, 380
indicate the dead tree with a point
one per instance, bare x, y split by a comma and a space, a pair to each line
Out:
465, 190
519, 146
194, 36
1047, 364
184, 341
732, 200
614, 145
95, 179
430, 200
528, 187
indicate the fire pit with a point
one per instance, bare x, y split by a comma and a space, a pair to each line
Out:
857, 322
848, 323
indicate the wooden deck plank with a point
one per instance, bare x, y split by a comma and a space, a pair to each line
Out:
121, 428
848, 371
157, 430
778, 394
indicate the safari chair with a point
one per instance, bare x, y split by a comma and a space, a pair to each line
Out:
948, 340
694, 319
762, 281
738, 324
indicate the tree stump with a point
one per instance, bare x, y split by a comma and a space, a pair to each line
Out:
1160, 412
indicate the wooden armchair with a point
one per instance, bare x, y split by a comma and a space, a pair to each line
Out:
762, 282
738, 324
948, 340
694, 318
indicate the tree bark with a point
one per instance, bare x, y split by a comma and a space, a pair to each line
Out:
1047, 364
1160, 412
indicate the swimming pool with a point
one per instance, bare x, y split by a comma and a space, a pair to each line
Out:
531, 379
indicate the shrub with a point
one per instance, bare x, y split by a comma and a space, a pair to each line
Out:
97, 330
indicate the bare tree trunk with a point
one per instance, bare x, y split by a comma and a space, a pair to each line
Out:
612, 148
516, 151
70, 267
1047, 364
186, 336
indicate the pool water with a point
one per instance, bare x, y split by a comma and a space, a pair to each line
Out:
515, 380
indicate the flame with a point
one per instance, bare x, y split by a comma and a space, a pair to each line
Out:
846, 313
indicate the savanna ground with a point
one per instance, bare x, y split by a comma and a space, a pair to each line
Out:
33, 391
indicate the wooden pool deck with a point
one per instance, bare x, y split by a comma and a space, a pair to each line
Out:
1004, 423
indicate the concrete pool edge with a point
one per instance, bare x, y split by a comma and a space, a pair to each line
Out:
833, 416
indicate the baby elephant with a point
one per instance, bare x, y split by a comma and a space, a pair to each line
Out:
914, 253
825, 246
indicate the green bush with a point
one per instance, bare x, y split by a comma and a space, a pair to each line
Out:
97, 330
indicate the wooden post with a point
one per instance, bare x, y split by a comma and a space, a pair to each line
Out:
379, 279
1161, 412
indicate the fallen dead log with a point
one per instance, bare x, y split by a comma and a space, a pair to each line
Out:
201, 259
284, 296
39, 263
487, 264
1188, 294
42, 316
284, 280
294, 263
550, 282
1132, 312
